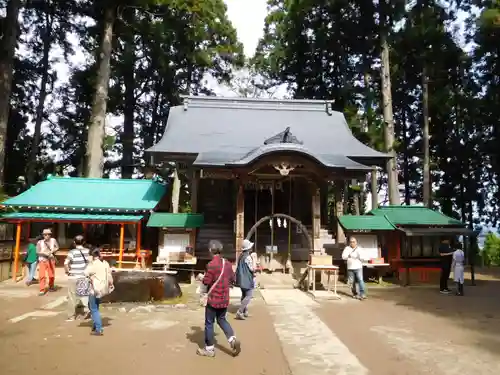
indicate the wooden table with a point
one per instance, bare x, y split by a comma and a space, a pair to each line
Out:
375, 266
311, 277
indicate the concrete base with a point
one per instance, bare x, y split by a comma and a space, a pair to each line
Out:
140, 286
323, 295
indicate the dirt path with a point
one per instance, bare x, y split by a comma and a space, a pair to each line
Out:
418, 331
137, 341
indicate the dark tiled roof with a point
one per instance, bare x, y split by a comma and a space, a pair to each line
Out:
222, 131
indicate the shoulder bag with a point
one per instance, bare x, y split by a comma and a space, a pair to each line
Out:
204, 296
83, 285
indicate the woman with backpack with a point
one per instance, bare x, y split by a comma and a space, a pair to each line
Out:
101, 284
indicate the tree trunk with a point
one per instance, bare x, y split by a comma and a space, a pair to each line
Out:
374, 189
8, 47
406, 161
128, 135
389, 136
427, 162
47, 43
95, 152
150, 131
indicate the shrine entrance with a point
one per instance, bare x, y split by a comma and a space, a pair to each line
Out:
277, 216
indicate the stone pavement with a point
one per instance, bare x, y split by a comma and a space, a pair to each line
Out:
399, 331
310, 347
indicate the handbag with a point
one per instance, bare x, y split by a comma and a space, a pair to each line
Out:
83, 285
204, 296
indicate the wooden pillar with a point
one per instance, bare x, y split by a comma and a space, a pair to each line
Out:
61, 234
316, 219
122, 244
240, 219
138, 239
195, 180
339, 210
16, 251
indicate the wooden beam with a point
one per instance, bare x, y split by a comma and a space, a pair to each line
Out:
240, 219
16, 251
195, 181
316, 219
122, 245
339, 210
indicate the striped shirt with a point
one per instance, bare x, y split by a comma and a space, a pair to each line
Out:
77, 261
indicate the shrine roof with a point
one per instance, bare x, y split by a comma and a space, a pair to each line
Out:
99, 195
415, 216
221, 131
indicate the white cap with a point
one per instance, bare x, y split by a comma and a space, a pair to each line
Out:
246, 245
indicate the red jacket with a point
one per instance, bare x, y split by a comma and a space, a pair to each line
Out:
219, 297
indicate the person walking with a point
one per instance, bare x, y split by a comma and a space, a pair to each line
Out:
46, 249
74, 266
218, 279
31, 261
458, 266
101, 281
446, 254
245, 278
353, 254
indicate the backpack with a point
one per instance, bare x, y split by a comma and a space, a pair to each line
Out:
103, 287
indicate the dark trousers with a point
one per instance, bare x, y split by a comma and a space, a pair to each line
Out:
211, 315
246, 297
445, 274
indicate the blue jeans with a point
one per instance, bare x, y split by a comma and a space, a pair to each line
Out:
31, 271
94, 303
356, 277
212, 314
246, 297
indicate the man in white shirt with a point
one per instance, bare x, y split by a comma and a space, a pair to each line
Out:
354, 256
75, 264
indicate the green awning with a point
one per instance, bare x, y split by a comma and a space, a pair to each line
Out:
437, 231
415, 216
69, 217
99, 195
169, 220
365, 223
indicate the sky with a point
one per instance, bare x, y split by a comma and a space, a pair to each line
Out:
247, 17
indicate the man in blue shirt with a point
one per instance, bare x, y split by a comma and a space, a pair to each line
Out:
446, 254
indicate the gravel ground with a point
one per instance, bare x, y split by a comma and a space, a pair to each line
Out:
136, 340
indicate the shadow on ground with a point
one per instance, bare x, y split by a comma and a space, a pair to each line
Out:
197, 336
478, 310
106, 322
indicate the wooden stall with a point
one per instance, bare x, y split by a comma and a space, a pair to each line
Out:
371, 233
109, 213
176, 238
409, 238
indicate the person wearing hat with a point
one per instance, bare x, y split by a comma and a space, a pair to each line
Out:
245, 276
218, 280
46, 249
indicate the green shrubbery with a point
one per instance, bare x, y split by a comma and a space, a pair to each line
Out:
491, 250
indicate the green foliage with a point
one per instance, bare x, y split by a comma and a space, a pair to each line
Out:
491, 250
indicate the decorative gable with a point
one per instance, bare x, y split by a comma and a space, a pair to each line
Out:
285, 136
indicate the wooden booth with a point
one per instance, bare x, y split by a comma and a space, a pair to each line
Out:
109, 213
409, 238
261, 169
176, 239
372, 233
